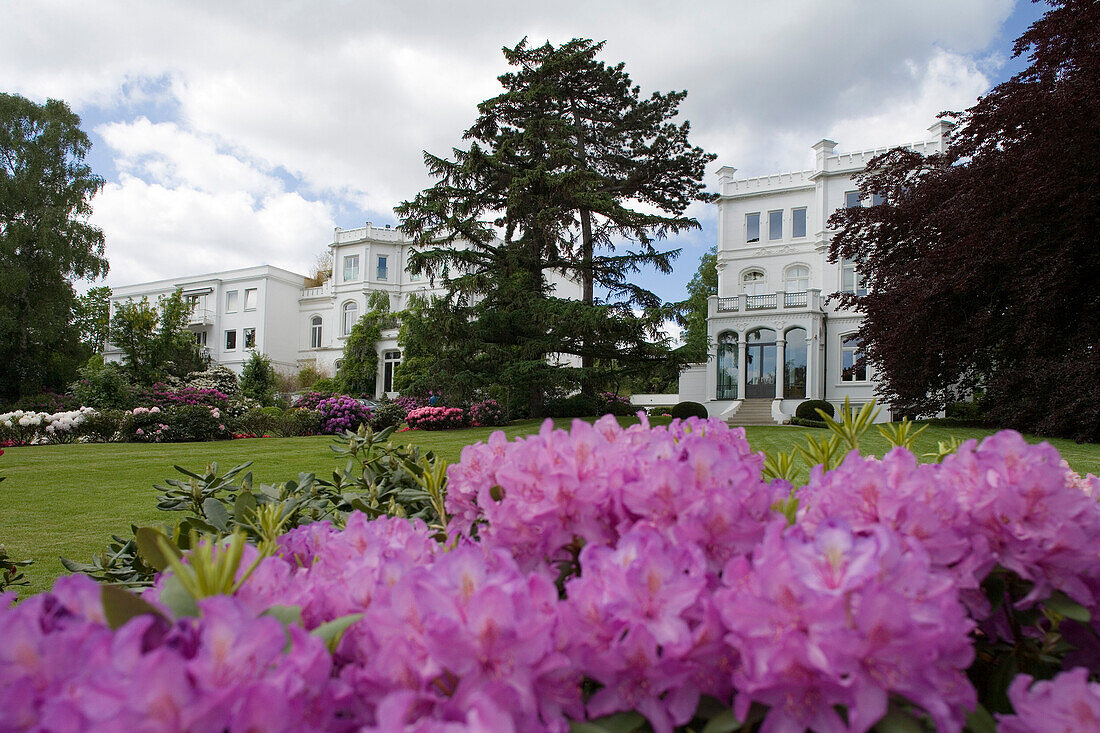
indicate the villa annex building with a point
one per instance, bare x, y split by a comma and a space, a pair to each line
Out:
774, 340
271, 310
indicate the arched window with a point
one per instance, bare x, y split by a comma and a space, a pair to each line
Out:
315, 332
727, 366
797, 279
351, 315
794, 364
753, 282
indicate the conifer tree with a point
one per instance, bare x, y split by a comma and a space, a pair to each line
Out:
564, 172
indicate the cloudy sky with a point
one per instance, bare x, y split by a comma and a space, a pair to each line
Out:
239, 133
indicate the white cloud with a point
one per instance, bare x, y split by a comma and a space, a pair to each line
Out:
268, 113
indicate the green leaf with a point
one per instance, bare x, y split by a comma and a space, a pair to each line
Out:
148, 549
176, 597
899, 721
120, 605
286, 614
244, 508
216, 513
626, 722
724, 722
333, 631
980, 721
1068, 607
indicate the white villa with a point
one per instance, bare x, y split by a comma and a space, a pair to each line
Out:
270, 310
774, 340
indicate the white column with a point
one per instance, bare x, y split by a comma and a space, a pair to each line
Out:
780, 353
742, 357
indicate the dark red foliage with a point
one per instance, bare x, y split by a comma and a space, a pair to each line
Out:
985, 264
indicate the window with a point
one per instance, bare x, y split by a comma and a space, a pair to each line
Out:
752, 227
798, 279
850, 281
877, 199
351, 268
753, 282
727, 366
315, 332
250, 338
382, 269
230, 340
200, 338
231, 301
775, 225
412, 277
849, 355
798, 222
794, 364
351, 315
250, 299
851, 198
390, 361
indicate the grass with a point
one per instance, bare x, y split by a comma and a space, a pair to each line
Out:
66, 500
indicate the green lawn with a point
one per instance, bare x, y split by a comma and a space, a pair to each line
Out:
66, 500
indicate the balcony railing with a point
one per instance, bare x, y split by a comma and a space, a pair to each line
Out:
201, 317
728, 304
795, 300
802, 300
760, 302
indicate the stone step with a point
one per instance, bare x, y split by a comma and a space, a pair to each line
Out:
753, 412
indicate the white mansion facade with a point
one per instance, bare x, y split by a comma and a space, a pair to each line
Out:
774, 340
271, 310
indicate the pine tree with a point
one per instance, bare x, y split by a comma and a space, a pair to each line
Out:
565, 168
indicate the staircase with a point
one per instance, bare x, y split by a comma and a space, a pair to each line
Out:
753, 412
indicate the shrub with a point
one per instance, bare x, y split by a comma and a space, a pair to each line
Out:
807, 423
436, 418
388, 414
310, 400
609, 403
256, 421
194, 423
258, 379
487, 412
342, 413
410, 403
299, 421
144, 425
578, 405
102, 426
307, 376
217, 377
104, 387
808, 410
162, 396
965, 410
684, 410
326, 384
48, 402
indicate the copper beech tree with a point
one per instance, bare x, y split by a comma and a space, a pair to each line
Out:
984, 264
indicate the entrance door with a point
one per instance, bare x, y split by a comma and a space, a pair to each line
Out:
760, 366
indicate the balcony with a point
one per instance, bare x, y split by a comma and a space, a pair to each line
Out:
322, 290
778, 301
201, 317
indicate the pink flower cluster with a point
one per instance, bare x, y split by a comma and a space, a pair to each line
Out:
485, 413
62, 668
340, 413
593, 571
1069, 703
436, 418
1003, 502
162, 395
310, 400
544, 496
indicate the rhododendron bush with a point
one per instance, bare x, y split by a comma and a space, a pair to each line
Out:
646, 576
